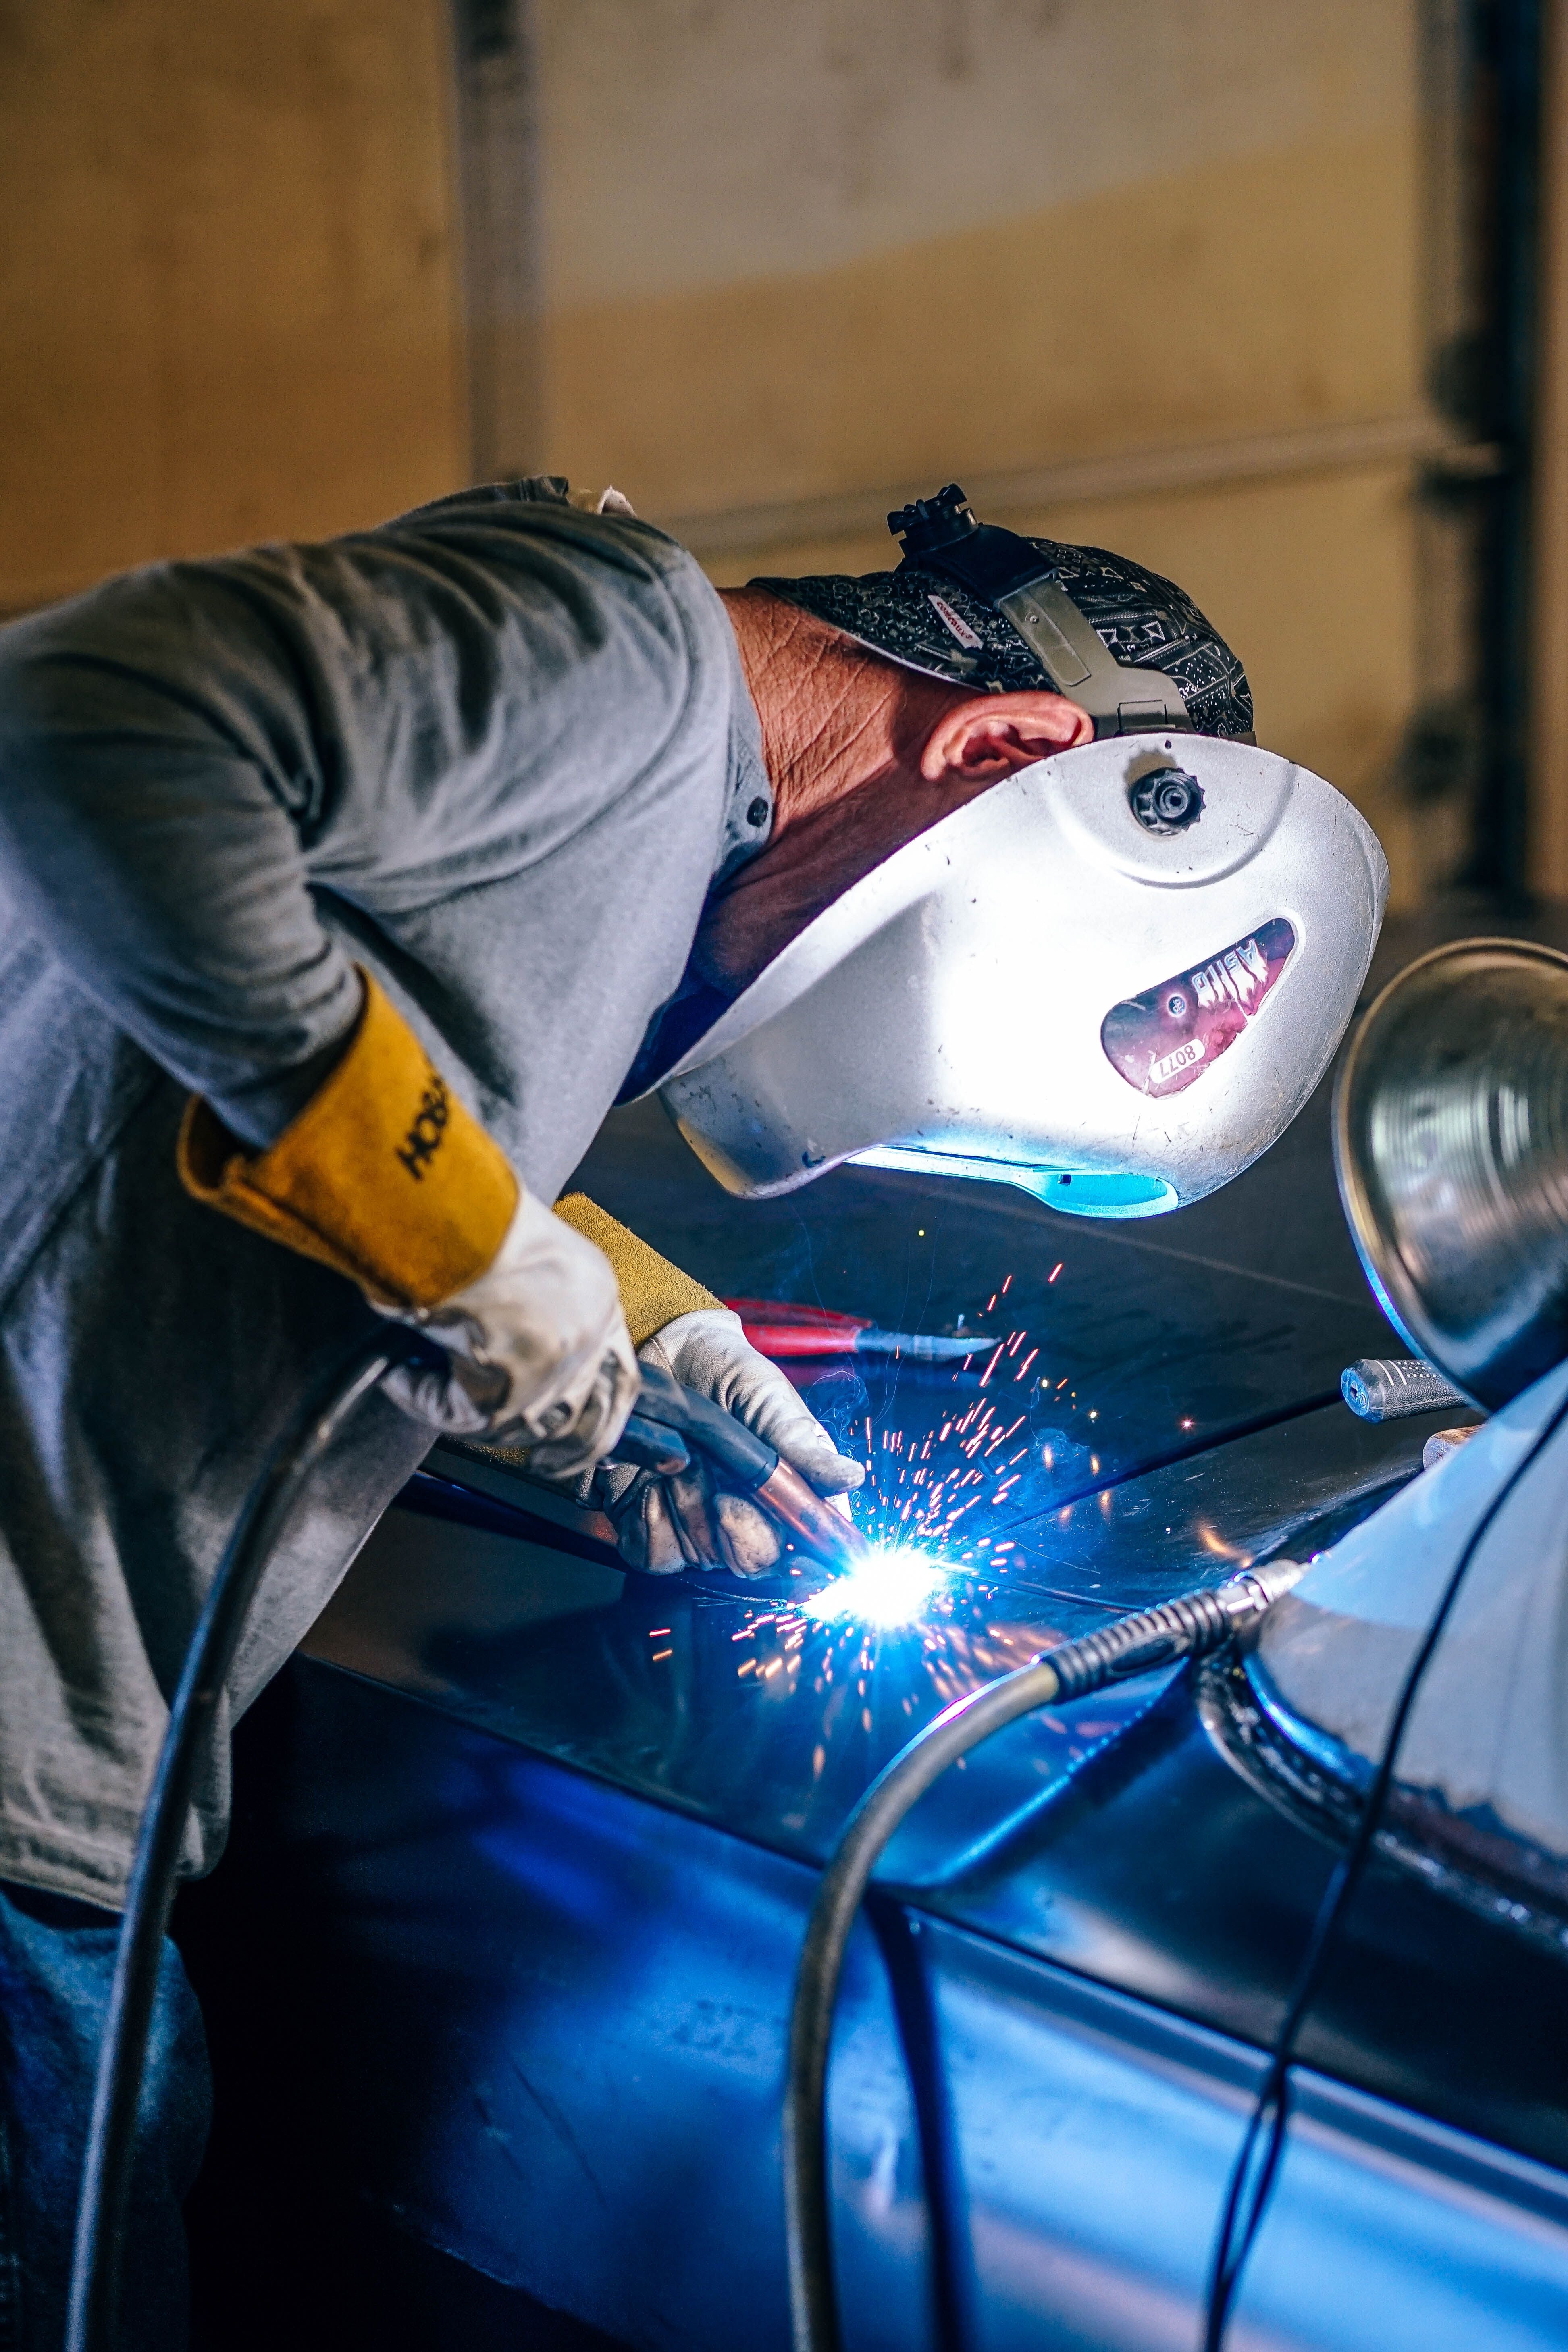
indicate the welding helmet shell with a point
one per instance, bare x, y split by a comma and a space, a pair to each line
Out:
1114, 978
994, 611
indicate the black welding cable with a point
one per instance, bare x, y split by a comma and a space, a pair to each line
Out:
1190, 1626
1270, 2108
94, 2322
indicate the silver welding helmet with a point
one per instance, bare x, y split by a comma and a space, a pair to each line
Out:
1113, 979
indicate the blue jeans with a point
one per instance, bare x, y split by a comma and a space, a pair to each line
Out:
57, 1963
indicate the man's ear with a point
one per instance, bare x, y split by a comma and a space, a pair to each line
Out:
996, 734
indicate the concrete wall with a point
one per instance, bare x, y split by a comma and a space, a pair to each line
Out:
795, 245
794, 257
226, 305
799, 250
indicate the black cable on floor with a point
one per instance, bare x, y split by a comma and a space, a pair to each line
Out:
92, 2324
1239, 2234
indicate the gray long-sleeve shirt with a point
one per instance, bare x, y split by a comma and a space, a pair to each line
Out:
497, 752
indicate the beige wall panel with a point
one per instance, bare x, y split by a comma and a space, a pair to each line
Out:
226, 299
1311, 581
1236, 297
691, 142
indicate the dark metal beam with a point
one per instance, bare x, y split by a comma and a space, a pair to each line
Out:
1511, 84
497, 139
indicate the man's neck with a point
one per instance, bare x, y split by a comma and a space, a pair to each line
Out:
842, 737
834, 721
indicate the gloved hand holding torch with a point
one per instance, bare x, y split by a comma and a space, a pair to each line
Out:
693, 1518
701, 1515
386, 1177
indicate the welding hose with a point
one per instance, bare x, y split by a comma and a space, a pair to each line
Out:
92, 2324
1193, 1625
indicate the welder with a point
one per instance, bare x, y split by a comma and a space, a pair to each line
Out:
343, 888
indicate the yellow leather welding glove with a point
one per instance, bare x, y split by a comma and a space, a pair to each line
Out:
653, 1291
388, 1178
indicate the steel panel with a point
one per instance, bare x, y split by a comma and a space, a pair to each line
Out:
540, 2023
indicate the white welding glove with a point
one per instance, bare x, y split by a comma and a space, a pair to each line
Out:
666, 1524
388, 1177
538, 1351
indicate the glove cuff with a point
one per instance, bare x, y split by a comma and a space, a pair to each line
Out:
384, 1176
653, 1291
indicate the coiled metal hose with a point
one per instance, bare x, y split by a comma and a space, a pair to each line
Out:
1192, 1625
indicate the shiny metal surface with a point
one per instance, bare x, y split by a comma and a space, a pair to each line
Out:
1484, 1747
500, 1952
955, 1007
1195, 1624
1151, 1340
540, 2024
1181, 1413
1452, 1143
744, 1711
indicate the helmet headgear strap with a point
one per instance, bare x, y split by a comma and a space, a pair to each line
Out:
1004, 570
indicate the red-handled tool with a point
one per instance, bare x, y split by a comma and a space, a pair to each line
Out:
779, 1328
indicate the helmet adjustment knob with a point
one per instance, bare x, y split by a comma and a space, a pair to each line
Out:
1166, 800
932, 522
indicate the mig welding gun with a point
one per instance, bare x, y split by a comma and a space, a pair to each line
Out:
670, 1423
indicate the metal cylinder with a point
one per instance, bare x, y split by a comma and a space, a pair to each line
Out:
1392, 1388
1452, 1145
828, 1535
1443, 1442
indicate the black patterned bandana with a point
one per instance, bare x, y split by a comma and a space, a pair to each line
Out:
928, 621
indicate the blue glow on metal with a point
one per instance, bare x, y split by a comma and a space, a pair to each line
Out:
1081, 1193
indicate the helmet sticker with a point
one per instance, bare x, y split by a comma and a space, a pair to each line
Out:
1166, 1038
970, 639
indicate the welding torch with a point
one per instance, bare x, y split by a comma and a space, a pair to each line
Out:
670, 1422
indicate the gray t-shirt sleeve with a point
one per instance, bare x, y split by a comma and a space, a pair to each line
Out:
192, 755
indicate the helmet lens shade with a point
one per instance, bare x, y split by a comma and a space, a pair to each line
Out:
1165, 1039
